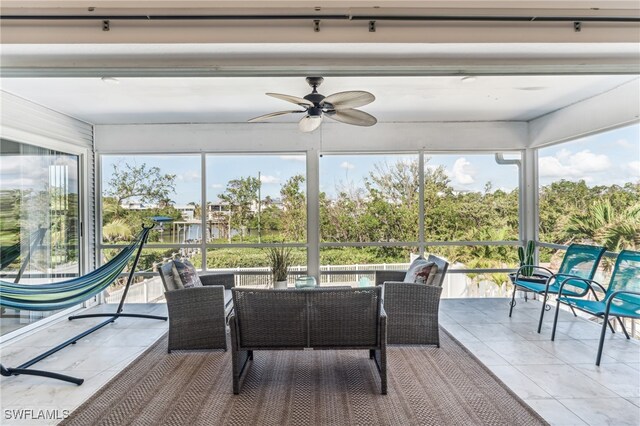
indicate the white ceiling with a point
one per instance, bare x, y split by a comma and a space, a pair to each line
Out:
236, 99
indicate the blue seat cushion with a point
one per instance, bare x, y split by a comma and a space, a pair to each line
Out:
619, 308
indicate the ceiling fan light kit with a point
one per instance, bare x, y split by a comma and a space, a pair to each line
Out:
339, 106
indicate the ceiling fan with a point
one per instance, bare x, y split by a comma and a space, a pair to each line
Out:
339, 106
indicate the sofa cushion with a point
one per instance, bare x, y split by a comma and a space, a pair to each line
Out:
186, 273
421, 271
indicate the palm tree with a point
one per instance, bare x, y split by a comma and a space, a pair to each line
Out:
603, 225
117, 230
624, 231
591, 225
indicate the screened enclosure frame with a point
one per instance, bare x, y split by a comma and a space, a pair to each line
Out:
313, 244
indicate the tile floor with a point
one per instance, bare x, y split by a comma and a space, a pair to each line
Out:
558, 379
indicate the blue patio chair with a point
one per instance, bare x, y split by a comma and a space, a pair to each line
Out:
621, 299
579, 260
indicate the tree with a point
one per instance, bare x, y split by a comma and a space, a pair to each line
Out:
615, 230
117, 230
240, 195
294, 209
143, 183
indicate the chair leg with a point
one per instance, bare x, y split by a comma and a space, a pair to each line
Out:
602, 334
623, 327
573, 310
544, 306
613, 331
513, 300
555, 321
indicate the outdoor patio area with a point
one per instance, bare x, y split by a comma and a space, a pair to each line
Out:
378, 198
557, 379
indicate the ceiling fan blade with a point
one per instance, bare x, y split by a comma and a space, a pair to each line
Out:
310, 123
353, 116
351, 99
271, 115
293, 99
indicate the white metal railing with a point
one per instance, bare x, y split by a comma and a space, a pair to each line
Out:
455, 285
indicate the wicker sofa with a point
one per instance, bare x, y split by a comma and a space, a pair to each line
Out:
412, 309
197, 315
320, 318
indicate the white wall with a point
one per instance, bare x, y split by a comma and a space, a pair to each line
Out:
331, 137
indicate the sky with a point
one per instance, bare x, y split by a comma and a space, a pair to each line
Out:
604, 159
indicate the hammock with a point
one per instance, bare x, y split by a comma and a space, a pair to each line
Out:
45, 297
64, 294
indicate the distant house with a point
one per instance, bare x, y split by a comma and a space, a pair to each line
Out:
187, 211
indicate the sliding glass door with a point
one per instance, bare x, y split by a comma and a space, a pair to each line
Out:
39, 220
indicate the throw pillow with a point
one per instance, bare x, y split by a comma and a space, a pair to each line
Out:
421, 271
170, 277
427, 274
410, 276
187, 273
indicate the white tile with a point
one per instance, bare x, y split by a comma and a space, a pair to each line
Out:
48, 392
522, 352
492, 332
524, 387
579, 328
529, 331
554, 412
620, 378
623, 350
634, 401
562, 381
474, 317
604, 411
573, 351
460, 333
485, 354
634, 365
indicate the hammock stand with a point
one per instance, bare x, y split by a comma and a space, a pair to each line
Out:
24, 368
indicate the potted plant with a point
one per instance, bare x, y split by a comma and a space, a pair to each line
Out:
280, 260
525, 255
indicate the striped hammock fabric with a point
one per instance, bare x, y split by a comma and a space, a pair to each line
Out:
64, 294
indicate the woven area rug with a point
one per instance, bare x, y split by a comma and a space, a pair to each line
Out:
427, 386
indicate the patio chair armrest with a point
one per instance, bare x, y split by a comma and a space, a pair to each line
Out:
225, 279
615, 294
590, 284
563, 279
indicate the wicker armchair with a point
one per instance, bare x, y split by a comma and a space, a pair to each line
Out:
197, 315
412, 309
